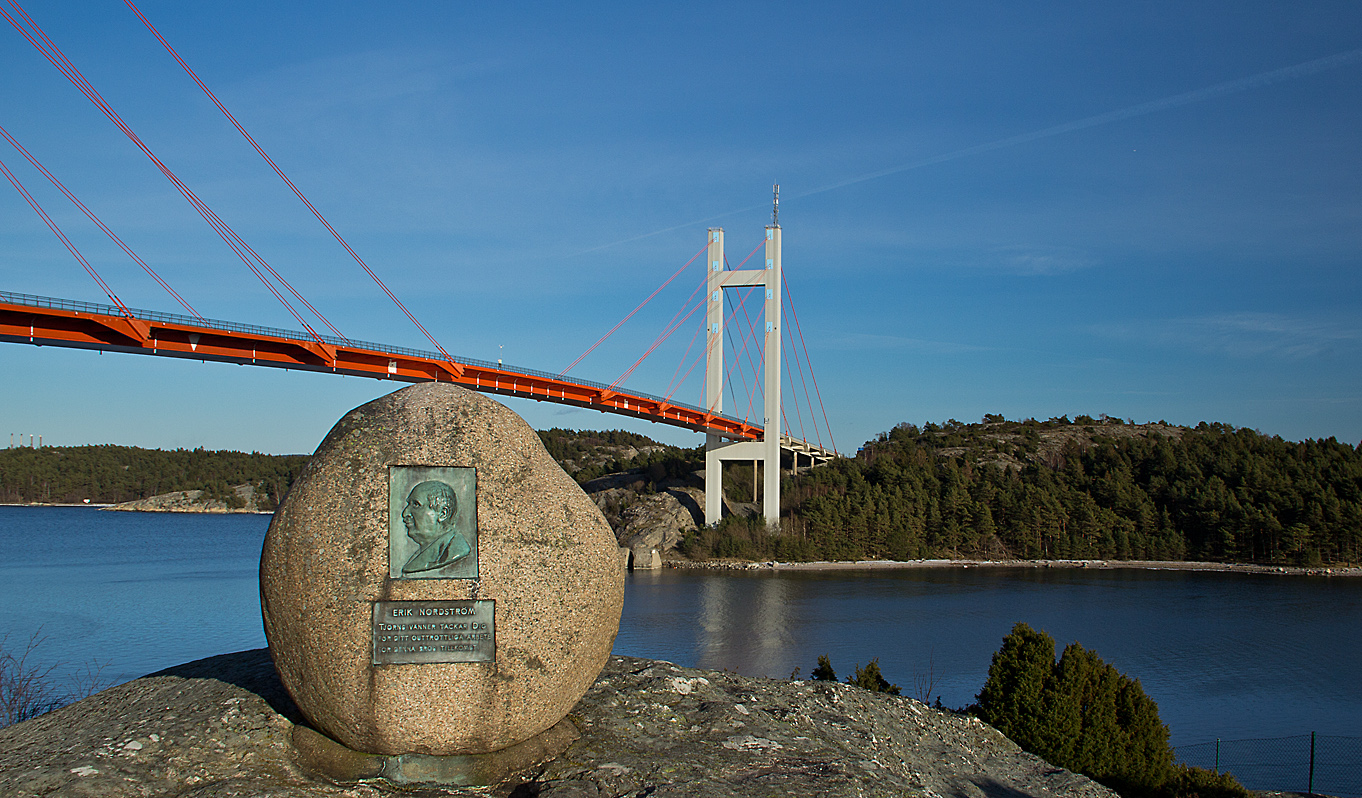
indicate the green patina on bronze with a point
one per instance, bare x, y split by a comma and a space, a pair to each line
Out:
432, 522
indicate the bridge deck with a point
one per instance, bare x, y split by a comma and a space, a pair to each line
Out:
45, 321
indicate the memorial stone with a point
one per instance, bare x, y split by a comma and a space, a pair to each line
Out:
434, 583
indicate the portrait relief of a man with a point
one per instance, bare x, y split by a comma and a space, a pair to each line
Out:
432, 523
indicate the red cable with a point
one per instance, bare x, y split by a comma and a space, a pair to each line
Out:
812, 376
667, 334
799, 416
101, 225
635, 310
59, 60
688, 373
728, 376
710, 346
761, 361
756, 372
749, 255
670, 328
737, 355
62, 236
674, 385
813, 418
290, 184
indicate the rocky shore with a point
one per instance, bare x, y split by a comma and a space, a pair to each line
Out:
244, 499
224, 727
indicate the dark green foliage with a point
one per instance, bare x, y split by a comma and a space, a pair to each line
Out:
1200, 783
585, 454
870, 678
1079, 713
568, 444
103, 474
737, 537
1089, 489
824, 671
1013, 697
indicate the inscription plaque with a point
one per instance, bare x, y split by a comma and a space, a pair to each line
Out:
432, 522
434, 631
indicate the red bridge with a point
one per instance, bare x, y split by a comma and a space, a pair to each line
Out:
44, 321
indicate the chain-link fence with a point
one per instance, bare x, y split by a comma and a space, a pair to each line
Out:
1306, 763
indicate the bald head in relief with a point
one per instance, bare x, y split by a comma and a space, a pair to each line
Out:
429, 515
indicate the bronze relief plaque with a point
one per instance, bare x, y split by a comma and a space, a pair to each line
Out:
432, 522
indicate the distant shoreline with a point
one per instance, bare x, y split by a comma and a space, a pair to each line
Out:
1102, 565
879, 565
52, 504
118, 508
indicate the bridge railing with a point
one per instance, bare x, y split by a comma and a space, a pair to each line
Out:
78, 306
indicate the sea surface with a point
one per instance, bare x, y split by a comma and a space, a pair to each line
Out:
1225, 655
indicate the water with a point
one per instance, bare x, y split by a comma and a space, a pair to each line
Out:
137, 592
1224, 655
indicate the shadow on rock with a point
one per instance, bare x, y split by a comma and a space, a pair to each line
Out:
252, 671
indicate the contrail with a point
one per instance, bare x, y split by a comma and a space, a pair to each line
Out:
1153, 106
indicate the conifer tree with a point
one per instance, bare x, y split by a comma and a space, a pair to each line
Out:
870, 678
1079, 713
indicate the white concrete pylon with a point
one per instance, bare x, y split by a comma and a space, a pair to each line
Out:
767, 450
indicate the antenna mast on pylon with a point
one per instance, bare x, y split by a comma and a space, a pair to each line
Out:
775, 205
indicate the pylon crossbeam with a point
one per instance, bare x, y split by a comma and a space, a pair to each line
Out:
766, 451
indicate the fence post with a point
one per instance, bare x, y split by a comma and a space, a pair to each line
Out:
1217, 756
1310, 788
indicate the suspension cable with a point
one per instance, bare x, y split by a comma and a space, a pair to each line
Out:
661, 338
812, 376
636, 310
64, 65
728, 374
761, 358
742, 304
62, 236
709, 348
37, 165
671, 326
287, 181
673, 386
800, 416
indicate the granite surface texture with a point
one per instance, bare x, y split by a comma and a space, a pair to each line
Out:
224, 727
545, 556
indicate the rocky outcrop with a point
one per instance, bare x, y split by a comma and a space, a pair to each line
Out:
648, 523
657, 522
244, 499
224, 727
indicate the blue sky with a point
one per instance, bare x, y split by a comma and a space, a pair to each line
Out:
1147, 210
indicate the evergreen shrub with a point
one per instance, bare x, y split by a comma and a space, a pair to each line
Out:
1078, 713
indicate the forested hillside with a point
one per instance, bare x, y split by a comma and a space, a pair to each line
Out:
105, 474
1083, 489
1057, 489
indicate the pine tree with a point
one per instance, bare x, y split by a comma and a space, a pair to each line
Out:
870, 678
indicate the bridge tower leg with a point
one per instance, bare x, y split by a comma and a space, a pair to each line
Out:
767, 450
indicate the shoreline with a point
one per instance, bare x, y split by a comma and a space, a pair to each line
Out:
1104, 565
120, 508
53, 504
868, 565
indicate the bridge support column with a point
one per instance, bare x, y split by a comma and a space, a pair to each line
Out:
766, 451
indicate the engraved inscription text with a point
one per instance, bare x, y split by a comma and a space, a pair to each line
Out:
433, 631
